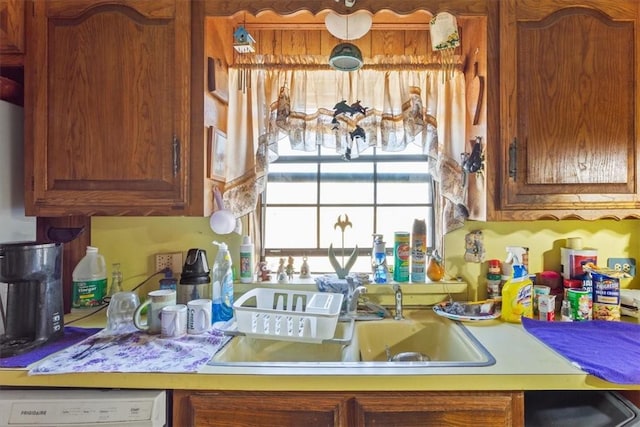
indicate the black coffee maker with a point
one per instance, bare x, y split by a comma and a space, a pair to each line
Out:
31, 305
194, 279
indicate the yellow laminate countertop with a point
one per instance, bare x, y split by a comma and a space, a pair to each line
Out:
522, 363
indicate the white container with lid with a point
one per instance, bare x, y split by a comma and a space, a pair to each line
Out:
89, 280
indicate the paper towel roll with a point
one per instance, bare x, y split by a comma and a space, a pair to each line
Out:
574, 243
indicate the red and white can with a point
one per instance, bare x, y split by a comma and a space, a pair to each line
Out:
547, 307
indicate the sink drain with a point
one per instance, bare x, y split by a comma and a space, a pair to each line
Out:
407, 356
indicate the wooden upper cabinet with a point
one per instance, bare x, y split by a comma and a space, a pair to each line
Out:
569, 108
11, 26
107, 107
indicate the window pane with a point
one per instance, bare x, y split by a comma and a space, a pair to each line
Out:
394, 219
288, 179
290, 227
357, 234
346, 183
281, 193
403, 182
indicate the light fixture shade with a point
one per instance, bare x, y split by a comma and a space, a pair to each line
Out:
346, 57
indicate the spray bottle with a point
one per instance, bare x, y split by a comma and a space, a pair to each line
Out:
517, 292
222, 282
518, 255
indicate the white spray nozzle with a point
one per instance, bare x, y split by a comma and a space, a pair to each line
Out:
221, 245
515, 254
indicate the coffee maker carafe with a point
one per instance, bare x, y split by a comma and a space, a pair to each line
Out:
31, 306
195, 281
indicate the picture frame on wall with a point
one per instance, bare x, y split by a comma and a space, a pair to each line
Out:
217, 147
218, 79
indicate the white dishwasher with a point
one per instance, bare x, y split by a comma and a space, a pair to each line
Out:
83, 407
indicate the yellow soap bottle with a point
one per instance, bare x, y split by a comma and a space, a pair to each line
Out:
517, 296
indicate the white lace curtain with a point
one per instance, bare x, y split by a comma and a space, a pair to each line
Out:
388, 107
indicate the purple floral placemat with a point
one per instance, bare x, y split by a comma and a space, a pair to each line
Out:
72, 335
134, 351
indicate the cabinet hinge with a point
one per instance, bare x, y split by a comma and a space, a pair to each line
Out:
513, 150
176, 155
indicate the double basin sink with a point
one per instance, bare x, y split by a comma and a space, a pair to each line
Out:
423, 339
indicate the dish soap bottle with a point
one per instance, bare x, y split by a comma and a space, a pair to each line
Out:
379, 261
222, 282
517, 295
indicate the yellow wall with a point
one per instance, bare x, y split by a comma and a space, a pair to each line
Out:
134, 241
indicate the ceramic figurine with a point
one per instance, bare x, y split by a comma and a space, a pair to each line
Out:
304, 269
282, 276
289, 269
263, 272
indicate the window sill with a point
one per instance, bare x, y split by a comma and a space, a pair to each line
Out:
415, 294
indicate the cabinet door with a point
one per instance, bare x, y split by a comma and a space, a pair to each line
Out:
107, 107
240, 409
569, 106
11, 26
421, 409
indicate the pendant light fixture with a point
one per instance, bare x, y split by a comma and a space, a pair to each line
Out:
347, 56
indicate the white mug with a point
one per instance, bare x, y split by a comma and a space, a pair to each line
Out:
156, 300
199, 316
174, 321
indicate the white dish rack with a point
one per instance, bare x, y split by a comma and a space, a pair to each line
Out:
290, 315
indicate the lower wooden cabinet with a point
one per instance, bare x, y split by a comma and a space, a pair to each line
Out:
345, 409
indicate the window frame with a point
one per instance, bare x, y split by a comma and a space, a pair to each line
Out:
319, 159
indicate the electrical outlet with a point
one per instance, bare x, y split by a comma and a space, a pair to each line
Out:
628, 265
171, 260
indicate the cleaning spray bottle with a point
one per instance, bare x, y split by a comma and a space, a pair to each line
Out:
222, 283
517, 292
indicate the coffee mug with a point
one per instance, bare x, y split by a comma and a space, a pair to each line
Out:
174, 321
199, 316
156, 300
121, 309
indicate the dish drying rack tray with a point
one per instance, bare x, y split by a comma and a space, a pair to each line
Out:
289, 315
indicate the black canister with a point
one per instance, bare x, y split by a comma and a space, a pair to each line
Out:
195, 279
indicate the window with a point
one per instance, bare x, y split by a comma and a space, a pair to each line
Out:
308, 192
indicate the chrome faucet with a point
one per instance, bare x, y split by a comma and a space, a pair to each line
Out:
352, 300
398, 292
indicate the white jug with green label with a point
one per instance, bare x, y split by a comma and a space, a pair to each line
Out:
89, 280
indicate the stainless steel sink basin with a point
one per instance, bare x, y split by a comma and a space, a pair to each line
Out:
444, 343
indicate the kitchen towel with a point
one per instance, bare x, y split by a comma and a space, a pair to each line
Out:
72, 335
134, 351
605, 349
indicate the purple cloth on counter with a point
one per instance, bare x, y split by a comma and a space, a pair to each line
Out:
605, 349
134, 351
72, 335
